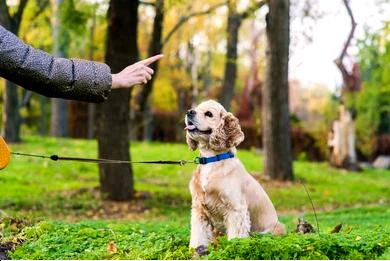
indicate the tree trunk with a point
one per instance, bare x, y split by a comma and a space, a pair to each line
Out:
341, 141
78, 119
11, 117
42, 118
91, 106
116, 180
276, 135
143, 115
229, 82
59, 107
91, 120
59, 118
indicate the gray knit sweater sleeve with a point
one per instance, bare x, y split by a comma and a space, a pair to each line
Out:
54, 77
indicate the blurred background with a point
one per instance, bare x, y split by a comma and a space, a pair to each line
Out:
193, 38
337, 86
326, 83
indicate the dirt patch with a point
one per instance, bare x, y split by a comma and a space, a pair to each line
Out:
134, 209
14, 226
4, 248
10, 246
266, 181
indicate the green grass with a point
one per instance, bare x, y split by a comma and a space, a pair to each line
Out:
61, 198
365, 235
43, 188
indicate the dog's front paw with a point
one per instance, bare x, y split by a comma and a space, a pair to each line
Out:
202, 250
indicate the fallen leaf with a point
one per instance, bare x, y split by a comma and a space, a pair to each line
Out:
111, 247
310, 248
215, 243
349, 230
13, 227
336, 229
358, 238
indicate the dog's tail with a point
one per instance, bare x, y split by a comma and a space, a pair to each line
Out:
279, 229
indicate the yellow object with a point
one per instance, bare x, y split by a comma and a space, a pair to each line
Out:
5, 153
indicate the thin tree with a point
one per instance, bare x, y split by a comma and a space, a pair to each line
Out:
59, 107
11, 116
156, 45
276, 126
234, 22
116, 180
81, 24
342, 137
91, 106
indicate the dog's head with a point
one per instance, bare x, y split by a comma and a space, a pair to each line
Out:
210, 124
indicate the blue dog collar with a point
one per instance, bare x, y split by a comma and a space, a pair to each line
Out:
219, 157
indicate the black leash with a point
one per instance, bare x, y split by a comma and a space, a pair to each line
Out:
105, 161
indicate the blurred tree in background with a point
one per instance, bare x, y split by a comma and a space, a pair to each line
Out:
61, 37
116, 180
214, 49
234, 21
342, 136
11, 18
276, 127
36, 30
373, 103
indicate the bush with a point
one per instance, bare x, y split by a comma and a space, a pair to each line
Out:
101, 240
309, 246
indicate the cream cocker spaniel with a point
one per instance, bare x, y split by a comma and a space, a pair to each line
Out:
225, 197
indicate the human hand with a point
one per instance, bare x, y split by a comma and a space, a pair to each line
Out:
137, 73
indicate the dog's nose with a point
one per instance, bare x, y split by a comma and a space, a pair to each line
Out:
191, 113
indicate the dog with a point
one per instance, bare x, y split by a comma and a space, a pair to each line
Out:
225, 197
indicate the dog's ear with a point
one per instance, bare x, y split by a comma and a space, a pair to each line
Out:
192, 144
227, 135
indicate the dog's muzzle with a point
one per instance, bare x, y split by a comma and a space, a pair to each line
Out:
190, 125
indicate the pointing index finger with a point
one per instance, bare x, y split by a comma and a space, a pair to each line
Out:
151, 60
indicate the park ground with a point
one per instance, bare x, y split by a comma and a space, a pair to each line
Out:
52, 210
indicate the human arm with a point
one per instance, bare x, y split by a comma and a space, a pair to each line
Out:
40, 72
73, 79
137, 73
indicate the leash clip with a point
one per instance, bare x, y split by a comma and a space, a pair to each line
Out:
200, 160
197, 160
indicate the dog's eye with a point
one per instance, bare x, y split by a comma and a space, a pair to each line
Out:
208, 114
